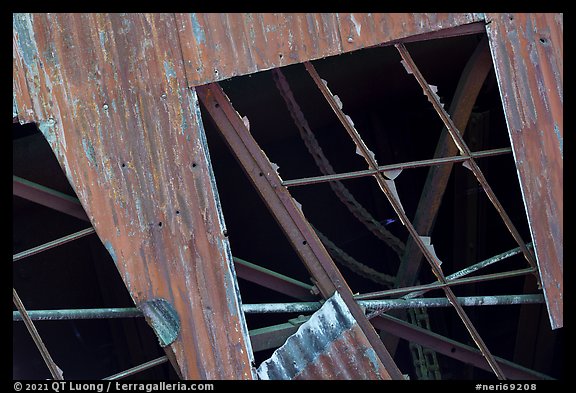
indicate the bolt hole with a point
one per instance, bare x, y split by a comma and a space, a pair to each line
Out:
194, 165
177, 212
543, 40
260, 174
216, 105
511, 17
452, 349
304, 242
225, 233
281, 56
123, 165
160, 224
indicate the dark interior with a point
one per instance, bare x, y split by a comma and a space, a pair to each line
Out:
397, 123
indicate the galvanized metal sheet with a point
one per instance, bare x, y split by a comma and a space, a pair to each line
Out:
330, 345
220, 45
110, 96
527, 50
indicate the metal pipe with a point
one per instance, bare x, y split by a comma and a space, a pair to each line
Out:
52, 244
383, 168
86, 313
453, 278
137, 369
438, 285
295, 307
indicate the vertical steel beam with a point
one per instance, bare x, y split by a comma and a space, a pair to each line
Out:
527, 50
287, 213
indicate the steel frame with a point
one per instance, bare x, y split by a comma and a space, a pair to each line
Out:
328, 279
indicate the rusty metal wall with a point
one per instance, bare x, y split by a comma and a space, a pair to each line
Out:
110, 95
222, 45
527, 51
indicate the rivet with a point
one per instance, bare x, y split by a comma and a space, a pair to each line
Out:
164, 96
105, 107
350, 39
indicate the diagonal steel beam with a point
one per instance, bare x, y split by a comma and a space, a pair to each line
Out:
54, 369
287, 213
70, 205
48, 197
458, 139
452, 348
386, 183
273, 280
469, 85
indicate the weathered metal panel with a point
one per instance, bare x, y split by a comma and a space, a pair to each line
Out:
361, 30
109, 93
218, 46
330, 345
528, 59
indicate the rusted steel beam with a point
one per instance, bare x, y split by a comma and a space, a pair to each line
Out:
528, 59
287, 213
322, 162
217, 46
71, 206
109, 93
47, 197
386, 183
55, 371
384, 168
273, 280
452, 348
464, 150
467, 90
274, 336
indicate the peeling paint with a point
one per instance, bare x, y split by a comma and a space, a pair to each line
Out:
169, 70
89, 151
197, 29
111, 251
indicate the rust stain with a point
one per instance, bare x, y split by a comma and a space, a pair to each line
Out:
219, 46
528, 56
109, 93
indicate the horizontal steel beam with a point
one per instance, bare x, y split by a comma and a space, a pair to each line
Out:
384, 168
296, 307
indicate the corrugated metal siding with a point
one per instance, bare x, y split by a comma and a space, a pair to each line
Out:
527, 50
110, 95
330, 345
220, 46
